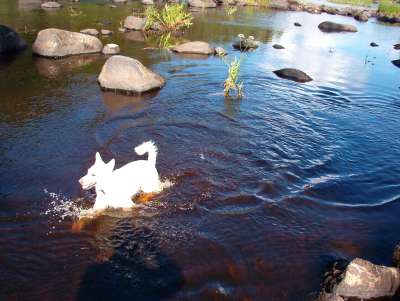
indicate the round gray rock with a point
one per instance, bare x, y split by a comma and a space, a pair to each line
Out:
125, 74
90, 31
278, 46
219, 51
54, 42
134, 23
10, 41
51, 4
111, 49
293, 74
196, 47
328, 26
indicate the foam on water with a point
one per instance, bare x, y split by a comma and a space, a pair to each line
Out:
62, 207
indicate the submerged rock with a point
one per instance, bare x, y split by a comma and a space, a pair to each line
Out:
328, 26
125, 74
396, 63
55, 43
10, 41
297, 24
277, 46
51, 4
90, 31
134, 23
361, 280
293, 74
202, 3
396, 46
196, 47
373, 44
111, 49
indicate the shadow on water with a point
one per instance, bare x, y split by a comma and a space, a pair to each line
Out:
130, 264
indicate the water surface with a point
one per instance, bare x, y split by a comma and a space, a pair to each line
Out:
268, 190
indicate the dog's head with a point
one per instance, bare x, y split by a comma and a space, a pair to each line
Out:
98, 170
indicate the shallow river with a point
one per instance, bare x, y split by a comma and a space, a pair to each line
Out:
268, 190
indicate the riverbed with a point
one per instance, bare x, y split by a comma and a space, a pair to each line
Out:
267, 190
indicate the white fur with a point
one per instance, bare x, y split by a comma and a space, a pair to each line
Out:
115, 188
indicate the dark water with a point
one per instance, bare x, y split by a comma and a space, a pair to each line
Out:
268, 190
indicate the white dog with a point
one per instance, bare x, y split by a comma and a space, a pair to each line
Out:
115, 188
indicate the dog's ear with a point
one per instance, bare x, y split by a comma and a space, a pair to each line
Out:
111, 165
98, 158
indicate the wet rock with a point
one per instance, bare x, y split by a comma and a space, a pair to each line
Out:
111, 49
396, 46
134, 23
328, 26
122, 29
106, 32
396, 63
363, 16
147, 2
202, 3
312, 8
112, 6
277, 46
197, 47
361, 280
373, 44
125, 74
278, 4
329, 9
245, 44
120, 1
297, 24
219, 51
90, 31
388, 19
50, 5
10, 41
54, 42
293, 74
396, 256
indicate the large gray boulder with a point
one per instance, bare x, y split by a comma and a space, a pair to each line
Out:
196, 47
362, 280
53, 42
134, 23
293, 74
127, 75
10, 41
328, 26
202, 3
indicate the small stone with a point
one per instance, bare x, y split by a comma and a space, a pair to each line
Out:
134, 23
373, 44
122, 29
147, 2
293, 74
396, 46
90, 31
297, 24
328, 26
111, 49
219, 51
277, 46
196, 47
50, 5
106, 32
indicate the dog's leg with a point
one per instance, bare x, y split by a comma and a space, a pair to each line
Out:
101, 202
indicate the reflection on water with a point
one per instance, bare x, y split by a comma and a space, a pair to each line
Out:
279, 183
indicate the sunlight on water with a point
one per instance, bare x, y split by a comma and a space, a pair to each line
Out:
61, 206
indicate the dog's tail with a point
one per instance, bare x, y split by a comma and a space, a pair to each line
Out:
148, 147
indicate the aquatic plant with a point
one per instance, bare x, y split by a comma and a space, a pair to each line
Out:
170, 18
165, 41
389, 8
231, 10
353, 2
231, 82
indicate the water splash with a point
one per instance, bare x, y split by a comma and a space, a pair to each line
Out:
62, 207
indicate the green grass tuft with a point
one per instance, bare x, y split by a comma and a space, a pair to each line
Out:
170, 18
390, 9
231, 82
353, 2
